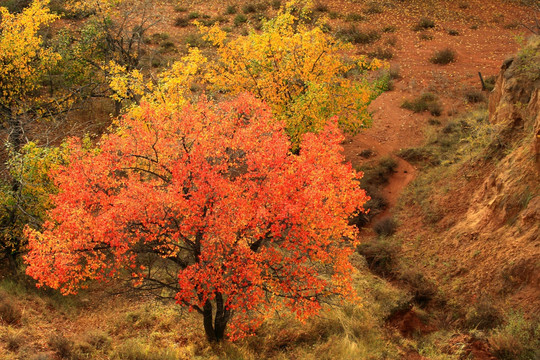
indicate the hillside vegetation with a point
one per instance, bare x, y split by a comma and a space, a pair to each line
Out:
269, 180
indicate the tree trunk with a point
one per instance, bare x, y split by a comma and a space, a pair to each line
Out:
214, 327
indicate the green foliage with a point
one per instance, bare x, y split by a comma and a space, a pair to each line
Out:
27, 202
517, 339
240, 19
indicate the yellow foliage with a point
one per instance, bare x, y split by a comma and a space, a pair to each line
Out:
300, 71
22, 56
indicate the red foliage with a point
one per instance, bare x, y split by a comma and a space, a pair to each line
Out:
213, 192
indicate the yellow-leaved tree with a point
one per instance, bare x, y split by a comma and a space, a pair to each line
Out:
298, 69
24, 63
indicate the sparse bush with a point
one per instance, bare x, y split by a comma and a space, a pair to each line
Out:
14, 339
385, 227
61, 345
443, 57
374, 8
166, 46
98, 339
42, 356
422, 289
276, 4
484, 316
136, 349
180, 8
382, 53
518, 339
474, 96
463, 5
193, 15
9, 313
181, 22
424, 24
379, 174
320, 7
249, 9
425, 102
453, 32
419, 156
240, 19
434, 122
489, 82
426, 37
231, 10
380, 255
334, 15
354, 17
389, 29
367, 153
355, 36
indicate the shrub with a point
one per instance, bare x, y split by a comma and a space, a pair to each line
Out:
422, 289
419, 156
240, 19
135, 349
443, 57
519, 338
424, 24
166, 46
367, 153
9, 313
382, 53
434, 122
180, 8
98, 339
484, 316
355, 36
61, 345
426, 37
334, 15
474, 96
385, 227
374, 8
389, 29
354, 17
380, 255
453, 32
231, 10
276, 4
181, 22
425, 102
14, 339
320, 7
193, 15
249, 9
489, 82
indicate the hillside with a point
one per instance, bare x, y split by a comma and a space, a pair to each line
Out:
449, 258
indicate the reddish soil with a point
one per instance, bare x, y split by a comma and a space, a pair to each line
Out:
487, 35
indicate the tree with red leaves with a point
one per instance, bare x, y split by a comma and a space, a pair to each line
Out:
208, 206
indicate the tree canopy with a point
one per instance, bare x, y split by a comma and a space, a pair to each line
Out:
208, 205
